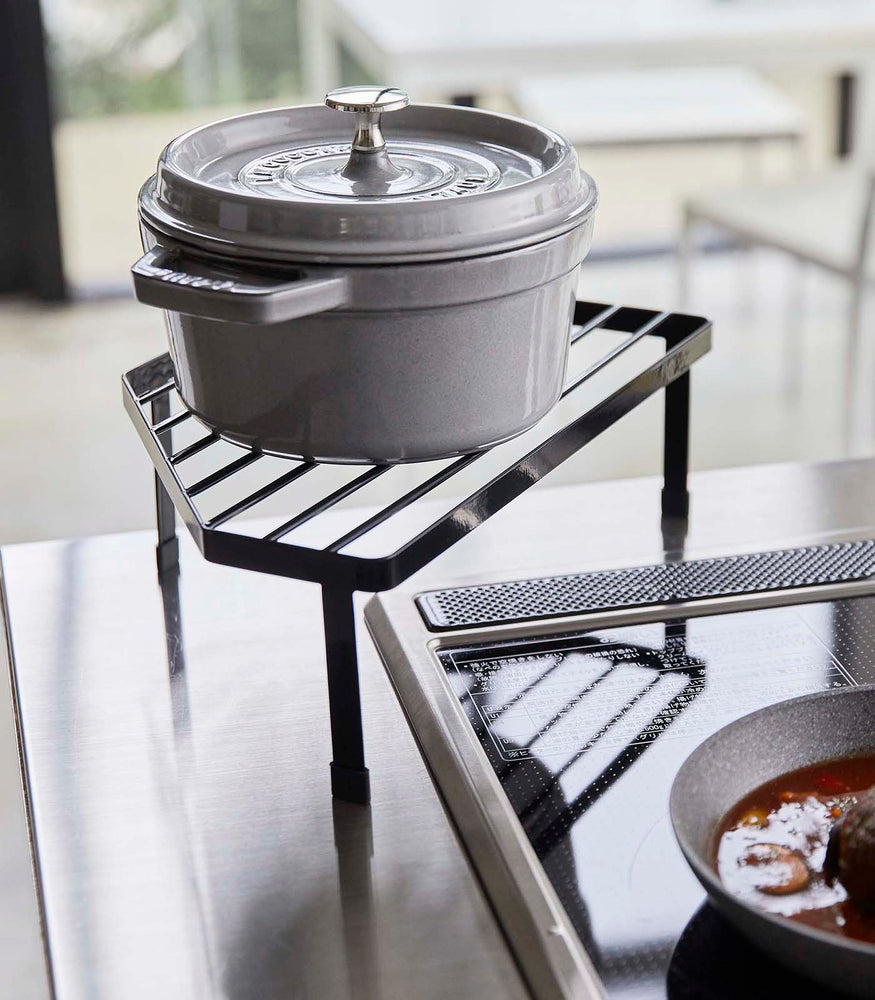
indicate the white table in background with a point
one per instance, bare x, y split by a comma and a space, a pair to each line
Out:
463, 47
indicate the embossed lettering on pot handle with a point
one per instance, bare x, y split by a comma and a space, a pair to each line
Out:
170, 281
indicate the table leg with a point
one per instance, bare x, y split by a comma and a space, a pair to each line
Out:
320, 63
685, 259
349, 776
847, 92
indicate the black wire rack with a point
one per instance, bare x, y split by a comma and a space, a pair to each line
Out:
346, 563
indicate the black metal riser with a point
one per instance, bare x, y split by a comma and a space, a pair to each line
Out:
147, 398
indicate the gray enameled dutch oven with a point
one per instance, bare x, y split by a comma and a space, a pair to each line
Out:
374, 301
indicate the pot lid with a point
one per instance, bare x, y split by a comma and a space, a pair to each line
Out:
329, 184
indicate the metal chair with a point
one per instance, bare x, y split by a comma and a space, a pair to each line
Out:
825, 221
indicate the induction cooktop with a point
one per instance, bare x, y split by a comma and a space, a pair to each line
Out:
554, 714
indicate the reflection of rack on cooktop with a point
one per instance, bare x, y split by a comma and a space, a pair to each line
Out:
156, 411
515, 726
546, 827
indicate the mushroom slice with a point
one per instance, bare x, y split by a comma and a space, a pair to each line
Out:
782, 870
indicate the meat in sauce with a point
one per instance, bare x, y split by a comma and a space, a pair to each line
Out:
803, 846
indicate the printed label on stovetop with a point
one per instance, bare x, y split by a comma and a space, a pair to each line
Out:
550, 698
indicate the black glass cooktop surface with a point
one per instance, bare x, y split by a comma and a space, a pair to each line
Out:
586, 732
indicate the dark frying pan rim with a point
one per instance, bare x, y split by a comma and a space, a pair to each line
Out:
703, 870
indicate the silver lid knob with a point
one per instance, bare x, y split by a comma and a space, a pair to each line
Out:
368, 105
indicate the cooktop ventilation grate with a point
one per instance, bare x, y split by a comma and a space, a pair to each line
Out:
664, 583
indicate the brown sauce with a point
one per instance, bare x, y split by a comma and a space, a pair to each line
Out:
770, 848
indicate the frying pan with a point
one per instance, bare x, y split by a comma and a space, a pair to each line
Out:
741, 757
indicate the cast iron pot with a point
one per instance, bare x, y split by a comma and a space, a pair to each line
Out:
731, 764
367, 302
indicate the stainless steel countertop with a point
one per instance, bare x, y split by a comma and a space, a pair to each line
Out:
187, 842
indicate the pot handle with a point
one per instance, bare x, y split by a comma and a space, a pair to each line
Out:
165, 279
